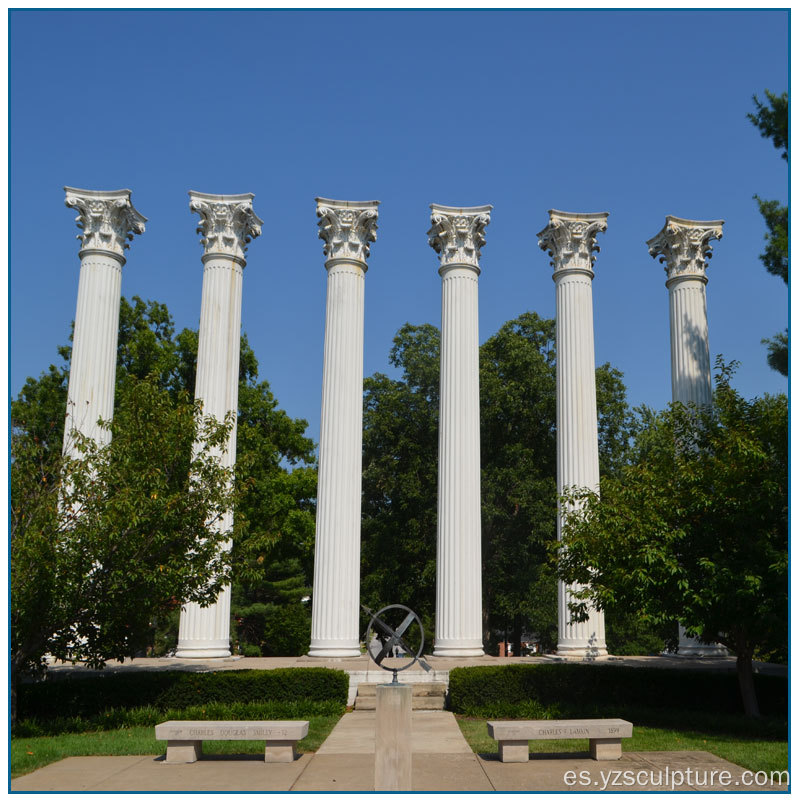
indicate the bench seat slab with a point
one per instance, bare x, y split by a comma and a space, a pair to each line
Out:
273, 730
604, 735
185, 738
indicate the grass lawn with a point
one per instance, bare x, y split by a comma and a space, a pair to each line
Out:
751, 753
30, 753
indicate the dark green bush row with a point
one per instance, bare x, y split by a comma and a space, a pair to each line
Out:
584, 690
89, 697
115, 718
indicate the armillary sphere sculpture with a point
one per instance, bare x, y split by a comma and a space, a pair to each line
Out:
394, 638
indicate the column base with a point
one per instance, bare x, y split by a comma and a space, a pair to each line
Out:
586, 650
334, 649
702, 651
453, 648
203, 650
689, 646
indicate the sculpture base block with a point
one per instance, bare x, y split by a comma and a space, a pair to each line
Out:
393, 737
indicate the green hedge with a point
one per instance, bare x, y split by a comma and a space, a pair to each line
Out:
116, 718
550, 691
88, 697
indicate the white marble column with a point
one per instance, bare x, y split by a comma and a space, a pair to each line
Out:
108, 221
227, 225
457, 235
347, 228
683, 246
571, 241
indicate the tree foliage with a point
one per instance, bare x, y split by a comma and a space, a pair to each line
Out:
772, 120
102, 543
275, 460
518, 467
401, 418
696, 528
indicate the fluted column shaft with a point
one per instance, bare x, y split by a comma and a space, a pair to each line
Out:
457, 235
228, 224
691, 382
688, 328
683, 246
576, 433
334, 626
571, 241
347, 229
458, 558
93, 364
205, 632
107, 220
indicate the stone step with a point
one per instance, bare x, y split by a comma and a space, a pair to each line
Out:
427, 688
418, 702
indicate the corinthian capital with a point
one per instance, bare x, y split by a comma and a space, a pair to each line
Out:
684, 244
107, 219
347, 227
227, 222
456, 234
571, 239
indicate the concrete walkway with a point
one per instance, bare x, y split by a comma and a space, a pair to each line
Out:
442, 761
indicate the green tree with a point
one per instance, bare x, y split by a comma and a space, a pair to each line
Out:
401, 418
772, 120
696, 529
272, 616
518, 469
275, 517
103, 543
518, 454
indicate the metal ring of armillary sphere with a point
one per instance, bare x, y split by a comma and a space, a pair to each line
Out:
394, 637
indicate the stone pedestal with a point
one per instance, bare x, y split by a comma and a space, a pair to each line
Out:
514, 751
108, 221
184, 752
605, 749
683, 246
280, 752
457, 235
227, 225
393, 738
347, 229
570, 239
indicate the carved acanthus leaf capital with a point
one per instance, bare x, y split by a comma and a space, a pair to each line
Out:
571, 239
227, 222
457, 234
108, 219
683, 245
347, 227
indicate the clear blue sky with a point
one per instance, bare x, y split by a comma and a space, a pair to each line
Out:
638, 113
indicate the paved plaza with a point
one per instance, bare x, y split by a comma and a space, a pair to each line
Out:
441, 761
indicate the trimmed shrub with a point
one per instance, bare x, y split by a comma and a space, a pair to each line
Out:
549, 691
116, 718
87, 697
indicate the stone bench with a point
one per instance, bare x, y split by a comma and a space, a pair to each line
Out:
604, 735
185, 738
